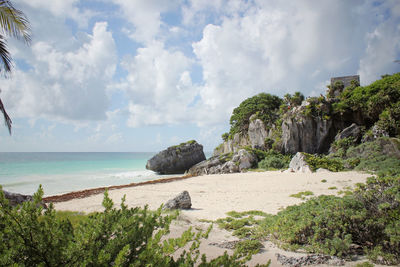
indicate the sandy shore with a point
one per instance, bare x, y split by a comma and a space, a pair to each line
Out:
214, 195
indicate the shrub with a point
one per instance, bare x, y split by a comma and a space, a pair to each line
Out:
266, 107
328, 224
272, 160
225, 136
121, 237
315, 162
371, 101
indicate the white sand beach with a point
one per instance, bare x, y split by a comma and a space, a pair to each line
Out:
214, 195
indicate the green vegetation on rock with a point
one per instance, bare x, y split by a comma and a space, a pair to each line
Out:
319, 161
378, 103
265, 106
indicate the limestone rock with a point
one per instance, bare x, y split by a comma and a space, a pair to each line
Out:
232, 145
181, 201
177, 159
15, 199
226, 163
378, 132
352, 131
299, 164
257, 133
306, 134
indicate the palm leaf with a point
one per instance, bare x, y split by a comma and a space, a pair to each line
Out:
13, 22
7, 119
5, 57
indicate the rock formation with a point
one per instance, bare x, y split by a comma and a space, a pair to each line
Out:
257, 133
299, 164
15, 199
177, 159
306, 133
227, 163
181, 201
353, 131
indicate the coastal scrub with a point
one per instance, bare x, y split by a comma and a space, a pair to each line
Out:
32, 236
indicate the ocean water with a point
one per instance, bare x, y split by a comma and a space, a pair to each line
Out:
66, 172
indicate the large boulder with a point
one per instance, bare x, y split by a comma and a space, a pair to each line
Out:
177, 159
15, 199
353, 131
299, 164
226, 163
181, 201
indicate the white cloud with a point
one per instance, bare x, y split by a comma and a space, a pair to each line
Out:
285, 46
65, 85
145, 16
159, 86
62, 8
383, 47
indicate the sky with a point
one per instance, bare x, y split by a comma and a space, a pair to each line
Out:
137, 76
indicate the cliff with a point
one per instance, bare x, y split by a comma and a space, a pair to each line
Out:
315, 124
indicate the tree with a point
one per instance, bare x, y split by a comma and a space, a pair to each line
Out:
265, 106
13, 23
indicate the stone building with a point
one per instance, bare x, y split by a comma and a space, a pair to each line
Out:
346, 80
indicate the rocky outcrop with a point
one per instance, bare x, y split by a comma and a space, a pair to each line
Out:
181, 201
15, 199
306, 133
227, 163
177, 159
353, 131
257, 133
232, 145
254, 137
299, 164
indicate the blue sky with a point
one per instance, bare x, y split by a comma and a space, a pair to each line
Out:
138, 75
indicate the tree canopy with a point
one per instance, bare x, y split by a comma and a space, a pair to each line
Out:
264, 105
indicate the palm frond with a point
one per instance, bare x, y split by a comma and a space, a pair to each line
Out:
5, 57
13, 22
7, 119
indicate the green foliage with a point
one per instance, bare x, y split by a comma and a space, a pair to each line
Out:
302, 194
319, 161
379, 101
369, 216
378, 156
323, 181
32, 236
332, 188
317, 107
247, 246
293, 100
265, 106
272, 160
225, 136
365, 264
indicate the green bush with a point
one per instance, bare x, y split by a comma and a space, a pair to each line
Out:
32, 236
265, 106
378, 156
370, 217
272, 160
315, 162
377, 101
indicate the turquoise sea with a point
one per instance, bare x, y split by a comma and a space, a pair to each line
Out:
66, 172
